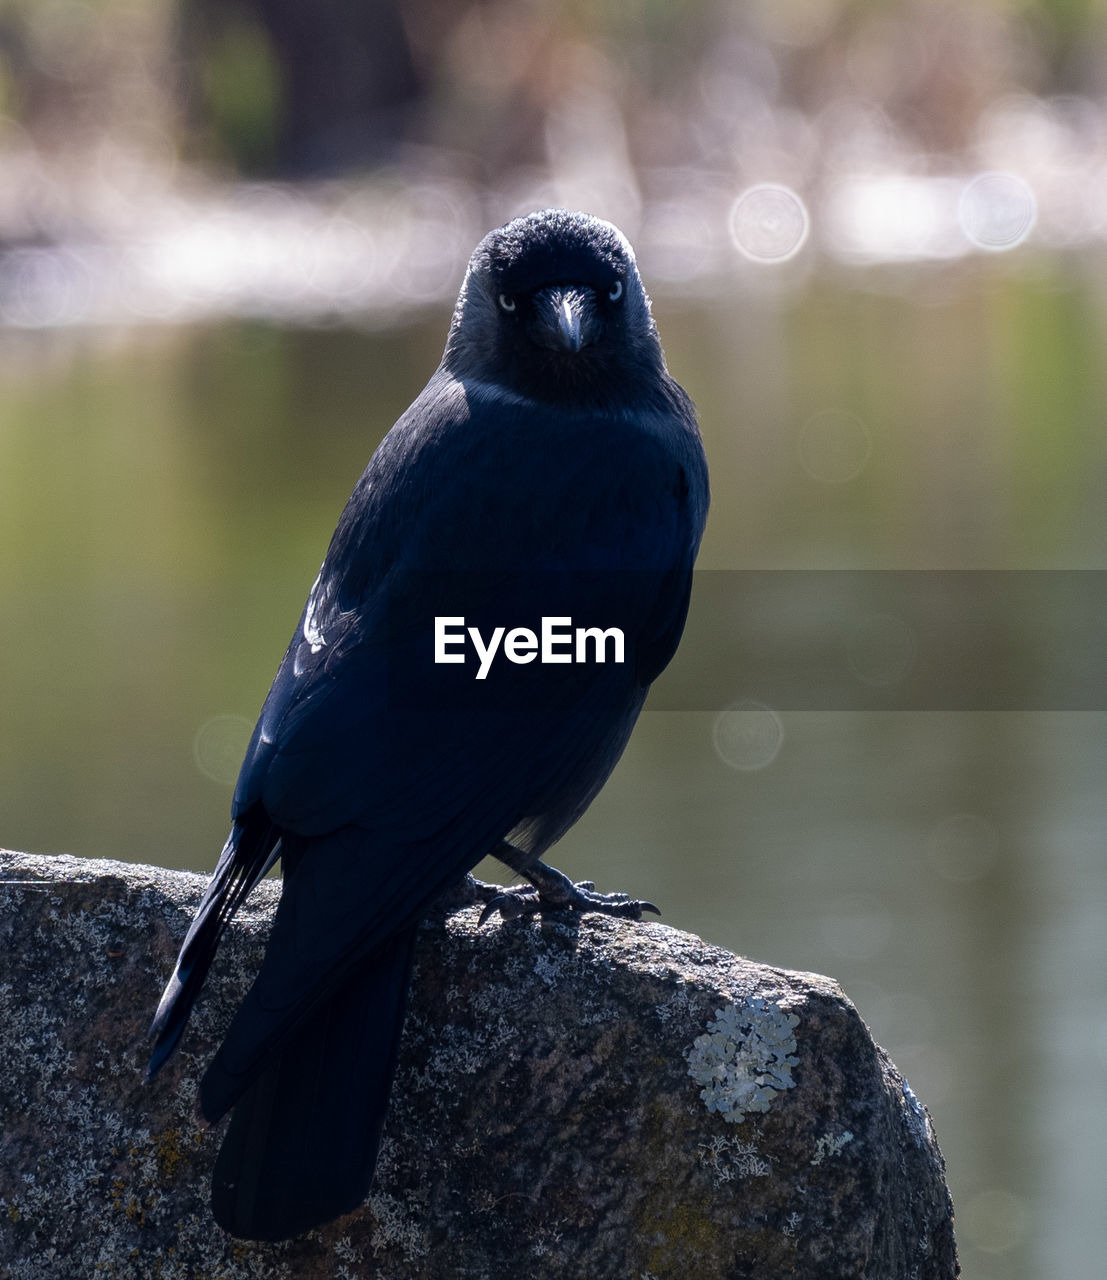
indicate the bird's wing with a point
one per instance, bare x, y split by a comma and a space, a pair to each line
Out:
663, 628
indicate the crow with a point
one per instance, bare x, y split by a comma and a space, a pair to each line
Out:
548, 481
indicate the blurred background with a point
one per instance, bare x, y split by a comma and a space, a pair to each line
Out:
231, 232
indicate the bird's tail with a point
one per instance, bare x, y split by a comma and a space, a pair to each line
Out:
303, 1138
251, 849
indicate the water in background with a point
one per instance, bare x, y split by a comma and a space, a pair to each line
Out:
165, 502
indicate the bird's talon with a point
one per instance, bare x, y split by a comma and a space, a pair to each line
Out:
511, 904
559, 893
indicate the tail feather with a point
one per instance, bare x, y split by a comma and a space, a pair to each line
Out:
251, 849
303, 1138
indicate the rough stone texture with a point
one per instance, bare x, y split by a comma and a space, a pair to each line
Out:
544, 1118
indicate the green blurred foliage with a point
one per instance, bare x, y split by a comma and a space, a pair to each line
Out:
242, 94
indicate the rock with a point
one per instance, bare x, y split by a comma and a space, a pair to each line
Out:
575, 1097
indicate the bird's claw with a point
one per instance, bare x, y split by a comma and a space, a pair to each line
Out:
511, 904
561, 894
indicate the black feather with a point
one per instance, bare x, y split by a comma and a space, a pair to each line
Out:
251, 850
303, 1139
551, 467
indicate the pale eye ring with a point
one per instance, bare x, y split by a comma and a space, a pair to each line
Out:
507, 302
616, 291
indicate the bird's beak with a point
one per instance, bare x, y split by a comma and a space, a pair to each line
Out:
568, 322
567, 318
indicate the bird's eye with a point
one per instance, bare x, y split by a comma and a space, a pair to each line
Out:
616, 291
507, 302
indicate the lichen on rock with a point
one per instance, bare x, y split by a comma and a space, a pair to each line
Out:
745, 1057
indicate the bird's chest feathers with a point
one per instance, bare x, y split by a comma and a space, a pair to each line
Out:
550, 486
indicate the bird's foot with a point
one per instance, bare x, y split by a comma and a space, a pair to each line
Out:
551, 890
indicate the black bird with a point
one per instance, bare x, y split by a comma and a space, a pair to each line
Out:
550, 469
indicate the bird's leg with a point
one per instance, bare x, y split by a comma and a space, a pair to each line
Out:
551, 890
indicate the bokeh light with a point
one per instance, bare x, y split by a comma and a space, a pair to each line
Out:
220, 745
748, 735
768, 223
997, 211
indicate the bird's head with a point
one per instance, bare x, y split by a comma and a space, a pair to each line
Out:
552, 307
